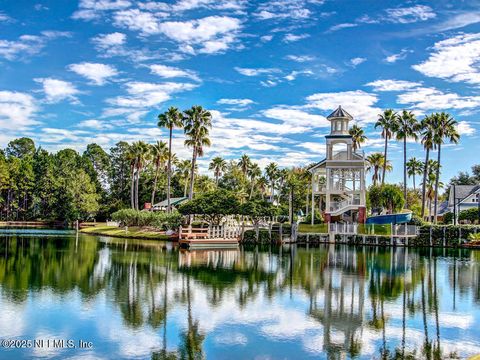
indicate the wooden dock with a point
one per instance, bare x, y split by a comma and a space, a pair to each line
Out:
209, 243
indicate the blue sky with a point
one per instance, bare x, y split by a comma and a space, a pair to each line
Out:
100, 71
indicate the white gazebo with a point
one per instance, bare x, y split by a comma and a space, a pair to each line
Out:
338, 181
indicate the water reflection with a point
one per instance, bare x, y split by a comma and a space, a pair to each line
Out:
136, 299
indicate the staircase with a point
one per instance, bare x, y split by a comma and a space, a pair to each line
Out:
340, 207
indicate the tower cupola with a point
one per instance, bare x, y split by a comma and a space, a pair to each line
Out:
339, 121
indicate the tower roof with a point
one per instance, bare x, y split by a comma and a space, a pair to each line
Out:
340, 113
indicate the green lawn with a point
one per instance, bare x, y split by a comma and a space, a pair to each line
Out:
133, 232
317, 228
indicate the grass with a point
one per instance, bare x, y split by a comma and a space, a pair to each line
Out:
133, 232
317, 228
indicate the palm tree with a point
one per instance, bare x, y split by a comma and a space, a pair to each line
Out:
262, 184
407, 128
428, 131
183, 170
170, 119
244, 164
197, 122
272, 173
282, 176
376, 163
132, 158
414, 167
218, 165
445, 130
254, 172
159, 156
388, 122
358, 136
141, 152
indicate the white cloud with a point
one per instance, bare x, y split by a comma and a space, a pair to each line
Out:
107, 41
4, 18
296, 117
237, 104
341, 26
393, 85
93, 9
292, 37
137, 20
358, 103
300, 58
17, 110
169, 72
293, 75
28, 45
256, 72
464, 128
97, 73
425, 98
57, 90
266, 38
395, 57
143, 94
286, 9
94, 124
209, 35
410, 14
454, 59
357, 61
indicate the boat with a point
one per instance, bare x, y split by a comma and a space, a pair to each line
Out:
399, 218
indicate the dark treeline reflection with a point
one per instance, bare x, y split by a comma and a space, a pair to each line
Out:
350, 292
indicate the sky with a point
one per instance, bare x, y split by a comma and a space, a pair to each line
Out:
77, 72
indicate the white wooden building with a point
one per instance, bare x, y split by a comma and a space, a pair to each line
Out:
338, 181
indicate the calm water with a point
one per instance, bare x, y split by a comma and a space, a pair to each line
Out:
150, 300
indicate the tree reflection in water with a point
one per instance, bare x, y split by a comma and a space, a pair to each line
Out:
352, 293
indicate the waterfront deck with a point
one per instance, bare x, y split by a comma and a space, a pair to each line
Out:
209, 243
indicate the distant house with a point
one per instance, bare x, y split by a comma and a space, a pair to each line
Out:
174, 203
466, 196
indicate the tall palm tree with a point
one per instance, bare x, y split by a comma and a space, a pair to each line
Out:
254, 172
414, 167
171, 119
197, 122
427, 134
244, 164
445, 130
218, 165
282, 176
183, 170
132, 158
272, 172
407, 127
142, 153
358, 136
160, 155
388, 122
262, 184
376, 163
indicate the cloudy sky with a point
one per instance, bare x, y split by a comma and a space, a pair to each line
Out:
100, 71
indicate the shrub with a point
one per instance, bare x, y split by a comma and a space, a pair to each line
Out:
317, 219
160, 220
448, 218
258, 209
469, 215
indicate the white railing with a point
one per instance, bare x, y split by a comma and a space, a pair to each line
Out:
113, 223
224, 232
338, 205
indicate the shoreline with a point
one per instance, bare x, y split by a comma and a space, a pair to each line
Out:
133, 232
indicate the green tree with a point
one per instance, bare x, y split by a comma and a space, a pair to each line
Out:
272, 174
20, 147
213, 206
244, 164
197, 122
414, 167
183, 170
218, 165
445, 130
427, 139
376, 163
254, 172
388, 122
121, 169
358, 136
141, 155
160, 155
171, 119
257, 209
407, 128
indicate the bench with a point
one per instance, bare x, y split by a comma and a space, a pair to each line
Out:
194, 233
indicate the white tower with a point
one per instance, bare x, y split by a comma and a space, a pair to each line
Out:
339, 179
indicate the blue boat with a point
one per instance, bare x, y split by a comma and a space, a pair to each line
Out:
400, 218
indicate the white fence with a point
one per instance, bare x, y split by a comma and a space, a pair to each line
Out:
224, 232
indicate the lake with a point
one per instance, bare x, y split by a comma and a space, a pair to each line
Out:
150, 300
